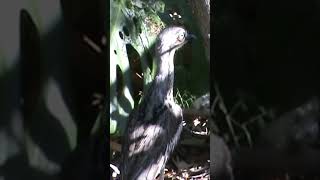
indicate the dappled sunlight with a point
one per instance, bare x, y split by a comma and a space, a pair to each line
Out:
148, 135
44, 122
150, 145
57, 107
38, 159
128, 96
8, 147
126, 30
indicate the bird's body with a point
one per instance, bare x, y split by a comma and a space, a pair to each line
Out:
154, 127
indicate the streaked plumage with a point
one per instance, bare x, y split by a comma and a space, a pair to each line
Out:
154, 127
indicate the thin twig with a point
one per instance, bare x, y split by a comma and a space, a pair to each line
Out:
92, 44
227, 115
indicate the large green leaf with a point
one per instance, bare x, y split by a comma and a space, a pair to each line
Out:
132, 23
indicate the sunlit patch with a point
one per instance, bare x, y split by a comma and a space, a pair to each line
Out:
115, 169
184, 123
196, 122
57, 108
185, 175
175, 15
38, 159
154, 25
137, 133
144, 138
8, 147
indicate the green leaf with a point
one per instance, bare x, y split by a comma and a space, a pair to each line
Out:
142, 29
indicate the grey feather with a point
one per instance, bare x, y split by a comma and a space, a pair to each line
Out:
154, 127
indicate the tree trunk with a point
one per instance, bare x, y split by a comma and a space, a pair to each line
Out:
201, 10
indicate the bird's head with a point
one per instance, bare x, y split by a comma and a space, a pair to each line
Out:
172, 38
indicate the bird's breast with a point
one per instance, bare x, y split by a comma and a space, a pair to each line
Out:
174, 108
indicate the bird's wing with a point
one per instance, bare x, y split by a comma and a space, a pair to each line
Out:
149, 143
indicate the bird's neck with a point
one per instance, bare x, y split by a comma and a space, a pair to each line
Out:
165, 74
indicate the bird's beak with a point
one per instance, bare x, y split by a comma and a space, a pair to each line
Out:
191, 37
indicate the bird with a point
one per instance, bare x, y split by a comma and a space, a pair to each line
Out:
155, 125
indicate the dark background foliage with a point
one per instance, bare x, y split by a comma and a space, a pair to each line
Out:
267, 49
265, 54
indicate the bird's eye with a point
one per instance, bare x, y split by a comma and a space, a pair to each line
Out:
181, 37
